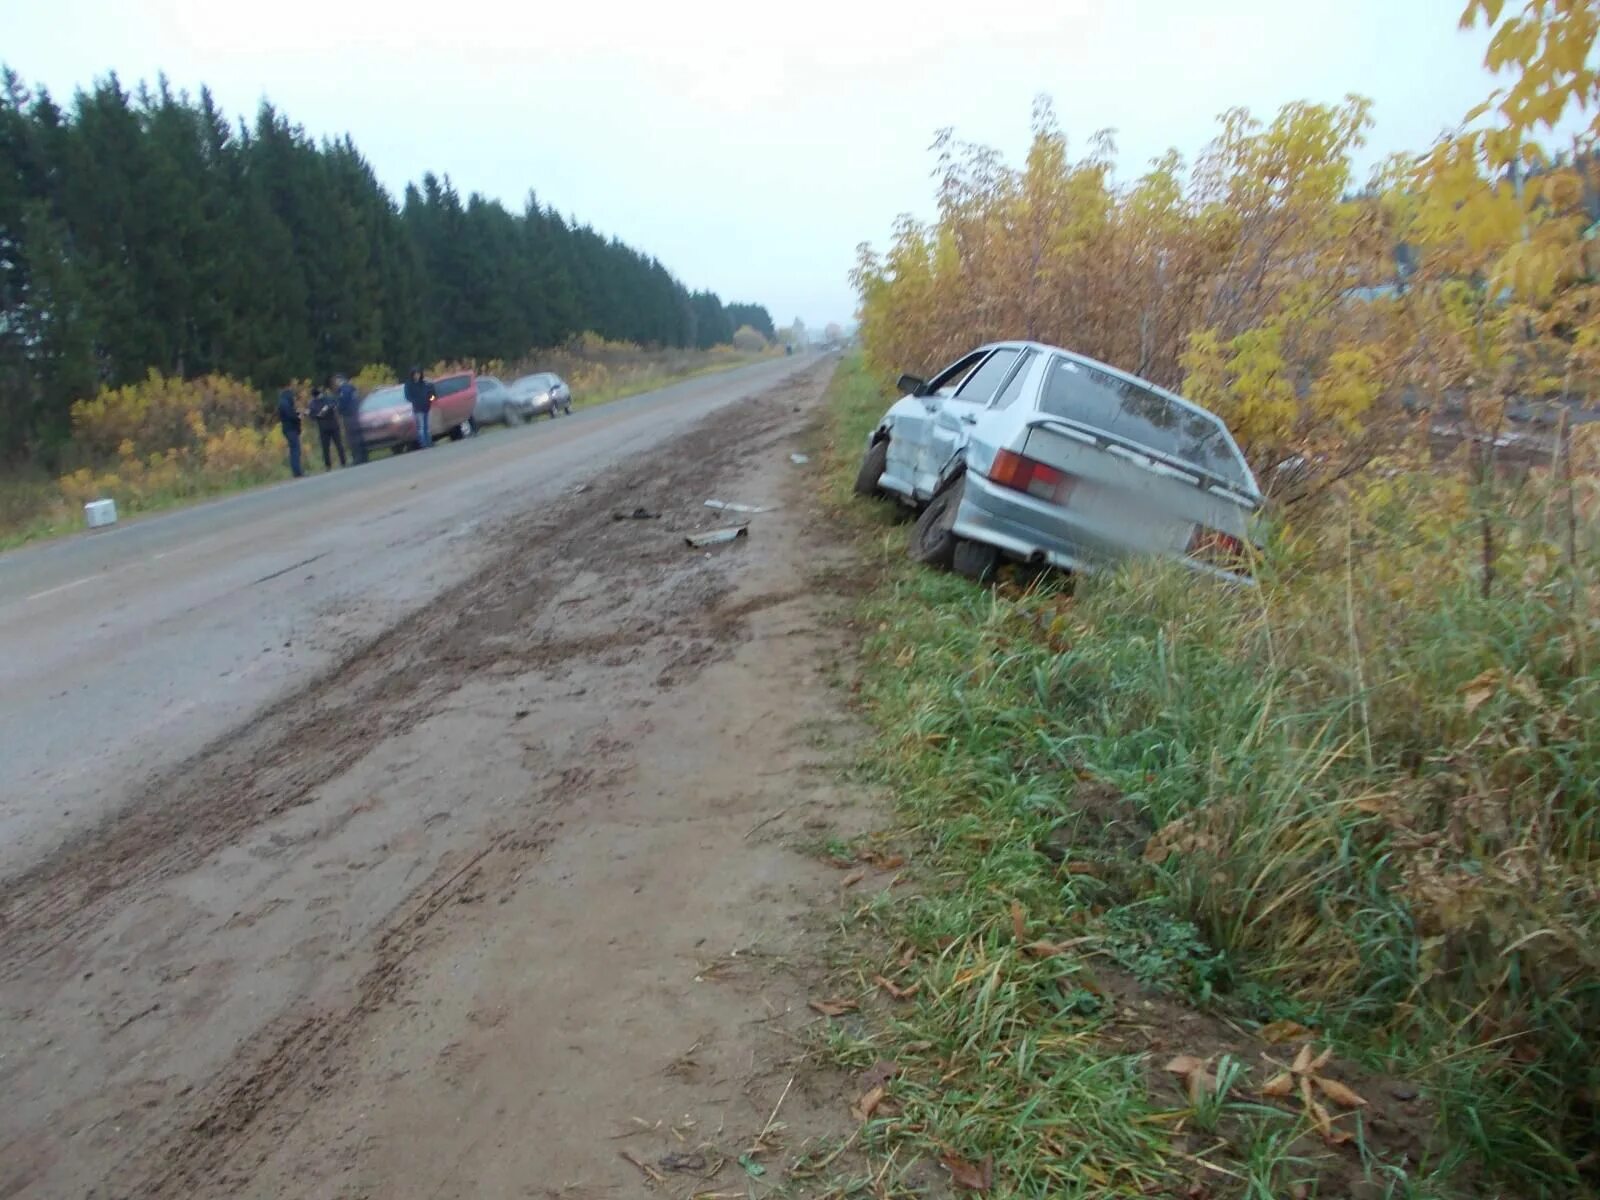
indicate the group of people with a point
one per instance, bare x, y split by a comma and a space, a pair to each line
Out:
337, 411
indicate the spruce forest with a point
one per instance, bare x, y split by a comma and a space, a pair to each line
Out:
144, 230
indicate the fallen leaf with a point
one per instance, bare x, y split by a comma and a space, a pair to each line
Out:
1479, 689
1302, 1060
832, 1008
1321, 1060
1341, 1095
884, 862
975, 1177
1200, 1084
1019, 923
1279, 1086
863, 1108
895, 990
1088, 982
1185, 1064
1043, 949
1320, 1118
853, 878
880, 1072
1283, 1031
1081, 868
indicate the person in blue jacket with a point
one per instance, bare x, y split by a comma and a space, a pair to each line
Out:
289, 418
420, 394
349, 405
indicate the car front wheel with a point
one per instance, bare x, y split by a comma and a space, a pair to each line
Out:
873, 464
933, 539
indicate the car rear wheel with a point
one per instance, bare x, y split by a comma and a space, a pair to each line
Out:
873, 464
513, 415
933, 540
975, 560
463, 430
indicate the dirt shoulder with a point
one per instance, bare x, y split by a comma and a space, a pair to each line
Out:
506, 907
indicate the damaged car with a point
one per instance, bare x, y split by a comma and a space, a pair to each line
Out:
1035, 454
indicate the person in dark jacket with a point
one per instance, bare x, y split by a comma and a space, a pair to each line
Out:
289, 418
420, 394
349, 406
326, 415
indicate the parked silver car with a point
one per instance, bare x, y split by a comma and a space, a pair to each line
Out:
495, 403
542, 392
1041, 455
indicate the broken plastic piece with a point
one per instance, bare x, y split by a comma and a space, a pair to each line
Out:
715, 537
729, 506
799, 460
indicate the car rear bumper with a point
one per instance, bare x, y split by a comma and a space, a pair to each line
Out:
1017, 525
1028, 529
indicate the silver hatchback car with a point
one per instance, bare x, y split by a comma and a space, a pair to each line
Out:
1034, 453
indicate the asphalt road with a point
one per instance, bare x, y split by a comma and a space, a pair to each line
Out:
125, 651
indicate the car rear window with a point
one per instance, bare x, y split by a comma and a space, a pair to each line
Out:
451, 384
1142, 417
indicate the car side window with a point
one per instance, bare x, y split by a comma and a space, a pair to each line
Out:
983, 383
947, 381
1013, 387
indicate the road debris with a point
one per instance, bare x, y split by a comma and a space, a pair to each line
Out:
695, 1163
638, 514
799, 460
649, 1172
729, 506
99, 513
715, 537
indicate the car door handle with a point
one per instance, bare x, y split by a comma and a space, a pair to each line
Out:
969, 418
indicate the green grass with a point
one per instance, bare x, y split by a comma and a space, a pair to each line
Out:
1349, 845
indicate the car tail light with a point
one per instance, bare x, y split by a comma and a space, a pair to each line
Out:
1219, 549
1037, 479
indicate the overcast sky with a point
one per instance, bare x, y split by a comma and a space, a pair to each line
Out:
752, 146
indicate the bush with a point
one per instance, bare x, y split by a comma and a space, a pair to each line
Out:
162, 413
748, 340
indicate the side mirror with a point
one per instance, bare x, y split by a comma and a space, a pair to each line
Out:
910, 385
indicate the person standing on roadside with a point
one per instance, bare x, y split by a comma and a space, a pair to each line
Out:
349, 406
326, 415
420, 394
289, 418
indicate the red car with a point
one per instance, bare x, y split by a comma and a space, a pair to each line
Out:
387, 419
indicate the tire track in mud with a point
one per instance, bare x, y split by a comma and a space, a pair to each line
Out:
386, 686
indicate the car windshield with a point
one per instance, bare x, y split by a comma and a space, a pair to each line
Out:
1142, 417
386, 397
451, 384
531, 383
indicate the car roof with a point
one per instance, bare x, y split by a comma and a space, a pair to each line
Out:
1127, 377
